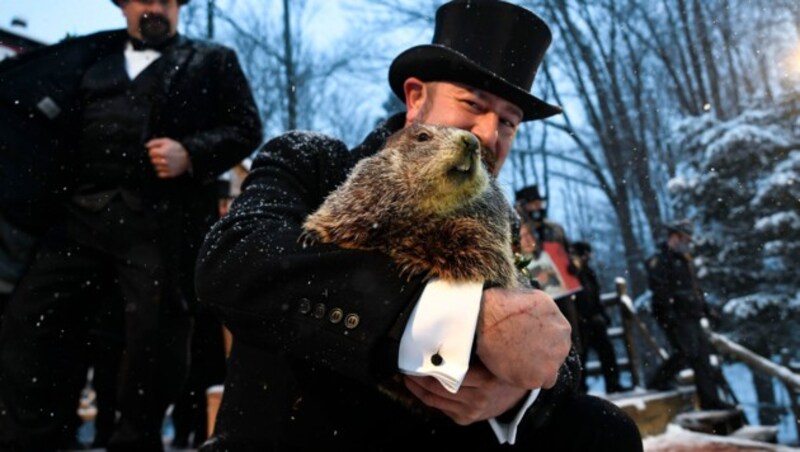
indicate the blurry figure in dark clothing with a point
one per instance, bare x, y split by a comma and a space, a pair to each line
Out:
106, 348
207, 368
678, 306
207, 364
16, 248
134, 127
593, 322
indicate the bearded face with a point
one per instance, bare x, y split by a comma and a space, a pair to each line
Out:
154, 27
152, 21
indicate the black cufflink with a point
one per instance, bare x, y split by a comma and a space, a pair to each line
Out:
436, 359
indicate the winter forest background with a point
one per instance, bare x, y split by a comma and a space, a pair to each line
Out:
673, 109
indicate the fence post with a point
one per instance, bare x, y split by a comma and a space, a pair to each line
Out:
786, 362
625, 307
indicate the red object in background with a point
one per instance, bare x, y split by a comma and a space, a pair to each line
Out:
550, 269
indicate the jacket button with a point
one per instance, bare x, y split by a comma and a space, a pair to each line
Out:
305, 306
351, 321
319, 311
336, 315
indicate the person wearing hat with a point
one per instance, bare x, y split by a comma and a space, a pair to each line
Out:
325, 354
532, 207
593, 322
678, 306
535, 230
129, 129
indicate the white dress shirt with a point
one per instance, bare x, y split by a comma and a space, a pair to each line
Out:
137, 60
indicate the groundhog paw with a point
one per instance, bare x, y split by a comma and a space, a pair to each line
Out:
308, 238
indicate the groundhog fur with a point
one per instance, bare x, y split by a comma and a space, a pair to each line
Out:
427, 201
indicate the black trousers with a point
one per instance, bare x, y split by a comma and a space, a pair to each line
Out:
690, 347
43, 341
190, 412
594, 335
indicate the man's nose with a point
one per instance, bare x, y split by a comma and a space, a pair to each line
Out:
486, 129
155, 6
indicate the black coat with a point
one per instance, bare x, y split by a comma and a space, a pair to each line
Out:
316, 329
204, 102
673, 283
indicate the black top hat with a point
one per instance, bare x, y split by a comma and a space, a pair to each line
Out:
529, 193
180, 2
488, 44
680, 227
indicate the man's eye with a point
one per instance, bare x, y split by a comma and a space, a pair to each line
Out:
423, 136
508, 123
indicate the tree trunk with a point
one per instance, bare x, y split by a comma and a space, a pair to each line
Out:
291, 83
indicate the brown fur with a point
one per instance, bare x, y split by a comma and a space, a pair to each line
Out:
411, 201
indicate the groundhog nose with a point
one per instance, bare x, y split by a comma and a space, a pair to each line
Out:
471, 142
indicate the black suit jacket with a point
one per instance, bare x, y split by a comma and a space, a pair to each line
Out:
316, 329
203, 101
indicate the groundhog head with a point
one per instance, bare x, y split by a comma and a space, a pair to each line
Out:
442, 166
422, 172
427, 201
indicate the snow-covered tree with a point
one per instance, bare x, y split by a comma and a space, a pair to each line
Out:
741, 184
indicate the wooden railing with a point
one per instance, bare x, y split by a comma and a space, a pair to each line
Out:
631, 326
789, 378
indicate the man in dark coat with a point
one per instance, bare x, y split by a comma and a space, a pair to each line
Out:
593, 321
323, 357
140, 122
678, 306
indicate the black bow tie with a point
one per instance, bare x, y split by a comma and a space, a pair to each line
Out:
138, 44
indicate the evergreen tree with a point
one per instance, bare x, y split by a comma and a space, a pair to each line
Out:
740, 184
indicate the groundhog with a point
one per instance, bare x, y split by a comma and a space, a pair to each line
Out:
426, 200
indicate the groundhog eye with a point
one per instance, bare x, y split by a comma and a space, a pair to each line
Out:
423, 136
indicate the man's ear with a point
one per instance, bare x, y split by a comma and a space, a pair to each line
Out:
415, 92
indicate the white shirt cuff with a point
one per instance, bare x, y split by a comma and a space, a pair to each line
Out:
507, 433
437, 341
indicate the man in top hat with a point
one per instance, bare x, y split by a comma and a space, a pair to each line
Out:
678, 306
320, 332
130, 128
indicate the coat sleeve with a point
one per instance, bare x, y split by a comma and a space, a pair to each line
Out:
320, 305
567, 384
237, 127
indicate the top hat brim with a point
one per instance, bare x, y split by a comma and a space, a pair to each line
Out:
434, 62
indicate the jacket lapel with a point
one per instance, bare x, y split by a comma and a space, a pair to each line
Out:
175, 60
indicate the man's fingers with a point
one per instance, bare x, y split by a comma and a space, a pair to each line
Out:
428, 384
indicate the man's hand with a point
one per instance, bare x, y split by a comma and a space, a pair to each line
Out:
169, 158
522, 337
482, 395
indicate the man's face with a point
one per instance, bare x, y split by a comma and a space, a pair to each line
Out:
535, 205
151, 20
535, 210
680, 243
490, 118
